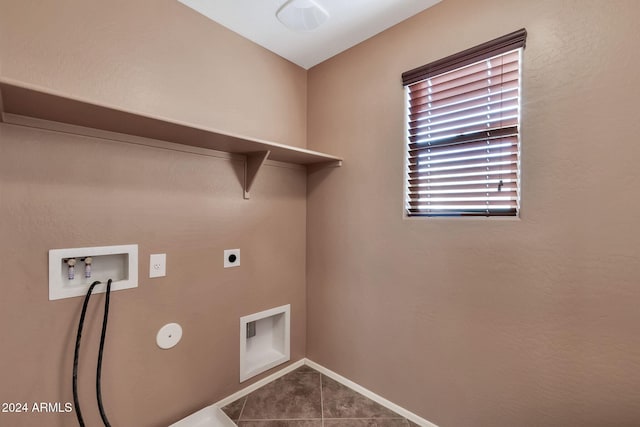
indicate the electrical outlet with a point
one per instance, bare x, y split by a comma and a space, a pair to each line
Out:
157, 265
231, 258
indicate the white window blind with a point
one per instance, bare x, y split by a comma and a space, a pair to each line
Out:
463, 132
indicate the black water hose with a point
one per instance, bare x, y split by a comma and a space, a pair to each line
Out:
76, 402
103, 415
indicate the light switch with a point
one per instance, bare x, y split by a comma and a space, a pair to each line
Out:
157, 265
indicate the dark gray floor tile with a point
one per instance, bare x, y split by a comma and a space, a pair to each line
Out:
371, 422
294, 396
342, 402
233, 409
281, 423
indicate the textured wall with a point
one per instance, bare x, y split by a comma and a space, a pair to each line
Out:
163, 59
156, 57
524, 322
188, 206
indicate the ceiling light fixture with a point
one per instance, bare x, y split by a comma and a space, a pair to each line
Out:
302, 15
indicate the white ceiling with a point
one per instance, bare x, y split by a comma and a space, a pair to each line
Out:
350, 22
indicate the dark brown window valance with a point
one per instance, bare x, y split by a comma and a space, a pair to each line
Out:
494, 47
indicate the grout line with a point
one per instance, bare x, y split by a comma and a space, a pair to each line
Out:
243, 405
321, 404
369, 394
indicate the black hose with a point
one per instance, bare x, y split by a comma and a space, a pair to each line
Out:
76, 402
103, 415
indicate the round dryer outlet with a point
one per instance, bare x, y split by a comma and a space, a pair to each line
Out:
169, 335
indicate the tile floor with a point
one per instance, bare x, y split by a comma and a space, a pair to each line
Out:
306, 398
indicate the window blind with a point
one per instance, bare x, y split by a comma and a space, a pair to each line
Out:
463, 132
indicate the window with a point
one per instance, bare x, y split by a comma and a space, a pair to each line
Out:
463, 132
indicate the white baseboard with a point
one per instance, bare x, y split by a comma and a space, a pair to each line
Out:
266, 380
371, 395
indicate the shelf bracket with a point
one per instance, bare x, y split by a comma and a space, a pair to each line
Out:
252, 164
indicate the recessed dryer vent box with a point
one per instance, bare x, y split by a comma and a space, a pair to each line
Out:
270, 344
119, 263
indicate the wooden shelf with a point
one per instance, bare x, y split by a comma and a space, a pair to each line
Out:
23, 100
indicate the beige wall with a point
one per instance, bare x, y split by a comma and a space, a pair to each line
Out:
188, 206
531, 322
58, 190
155, 57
